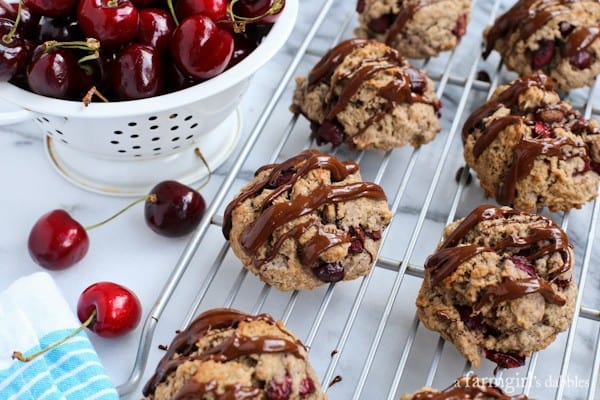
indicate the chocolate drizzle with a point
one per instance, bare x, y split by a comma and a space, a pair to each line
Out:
407, 11
192, 390
184, 345
465, 389
399, 90
540, 241
275, 215
526, 17
527, 150
580, 39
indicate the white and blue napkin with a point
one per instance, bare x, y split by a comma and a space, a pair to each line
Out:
33, 315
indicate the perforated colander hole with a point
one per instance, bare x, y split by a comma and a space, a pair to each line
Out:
50, 133
153, 127
176, 138
189, 137
45, 119
114, 141
134, 136
152, 118
193, 125
132, 124
157, 149
59, 132
122, 151
188, 118
173, 116
176, 147
175, 127
64, 141
40, 120
136, 147
155, 139
137, 155
118, 132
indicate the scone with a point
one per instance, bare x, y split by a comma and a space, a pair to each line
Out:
466, 387
365, 94
307, 221
416, 28
501, 283
531, 150
559, 38
226, 354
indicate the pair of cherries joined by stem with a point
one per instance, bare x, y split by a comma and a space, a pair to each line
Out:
142, 47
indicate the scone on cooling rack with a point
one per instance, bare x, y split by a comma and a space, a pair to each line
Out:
466, 387
416, 28
559, 38
501, 283
307, 221
531, 150
226, 354
365, 94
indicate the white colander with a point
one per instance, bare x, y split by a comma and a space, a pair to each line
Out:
125, 148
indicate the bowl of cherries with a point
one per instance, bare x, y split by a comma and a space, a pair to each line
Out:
128, 92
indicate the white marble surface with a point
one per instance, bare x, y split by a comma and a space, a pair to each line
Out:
126, 251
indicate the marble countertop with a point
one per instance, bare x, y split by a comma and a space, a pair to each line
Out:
127, 252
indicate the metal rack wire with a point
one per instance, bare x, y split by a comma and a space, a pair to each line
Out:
371, 365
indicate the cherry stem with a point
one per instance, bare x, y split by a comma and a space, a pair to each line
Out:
8, 38
112, 3
90, 44
19, 356
135, 202
87, 99
239, 23
199, 154
172, 10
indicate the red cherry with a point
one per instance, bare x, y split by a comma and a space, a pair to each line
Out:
54, 72
118, 310
14, 51
143, 3
113, 22
59, 29
543, 54
258, 8
51, 8
57, 241
155, 29
173, 209
176, 80
137, 72
243, 46
214, 9
7, 10
200, 49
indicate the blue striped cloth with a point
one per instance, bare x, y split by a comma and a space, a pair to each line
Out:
71, 371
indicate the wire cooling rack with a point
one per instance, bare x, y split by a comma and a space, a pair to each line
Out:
364, 337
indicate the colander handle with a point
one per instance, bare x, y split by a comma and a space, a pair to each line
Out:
8, 117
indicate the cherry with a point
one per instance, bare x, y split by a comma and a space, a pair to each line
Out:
329, 272
14, 50
51, 8
381, 24
524, 265
54, 72
113, 22
200, 49
173, 209
214, 9
307, 386
7, 10
137, 72
266, 10
582, 60
177, 80
28, 22
118, 309
543, 54
143, 3
418, 81
330, 132
155, 29
279, 391
461, 26
59, 29
57, 241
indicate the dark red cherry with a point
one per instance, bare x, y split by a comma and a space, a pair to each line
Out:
360, 6
258, 8
113, 22
51, 8
144, 3
582, 60
329, 272
330, 132
137, 72
28, 23
524, 265
242, 47
214, 9
173, 209
505, 359
7, 10
54, 72
57, 241
14, 51
177, 80
307, 386
543, 54
200, 49
381, 24
155, 29
418, 81
59, 29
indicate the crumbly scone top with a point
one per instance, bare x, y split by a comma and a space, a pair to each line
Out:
466, 387
183, 348
280, 180
542, 137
